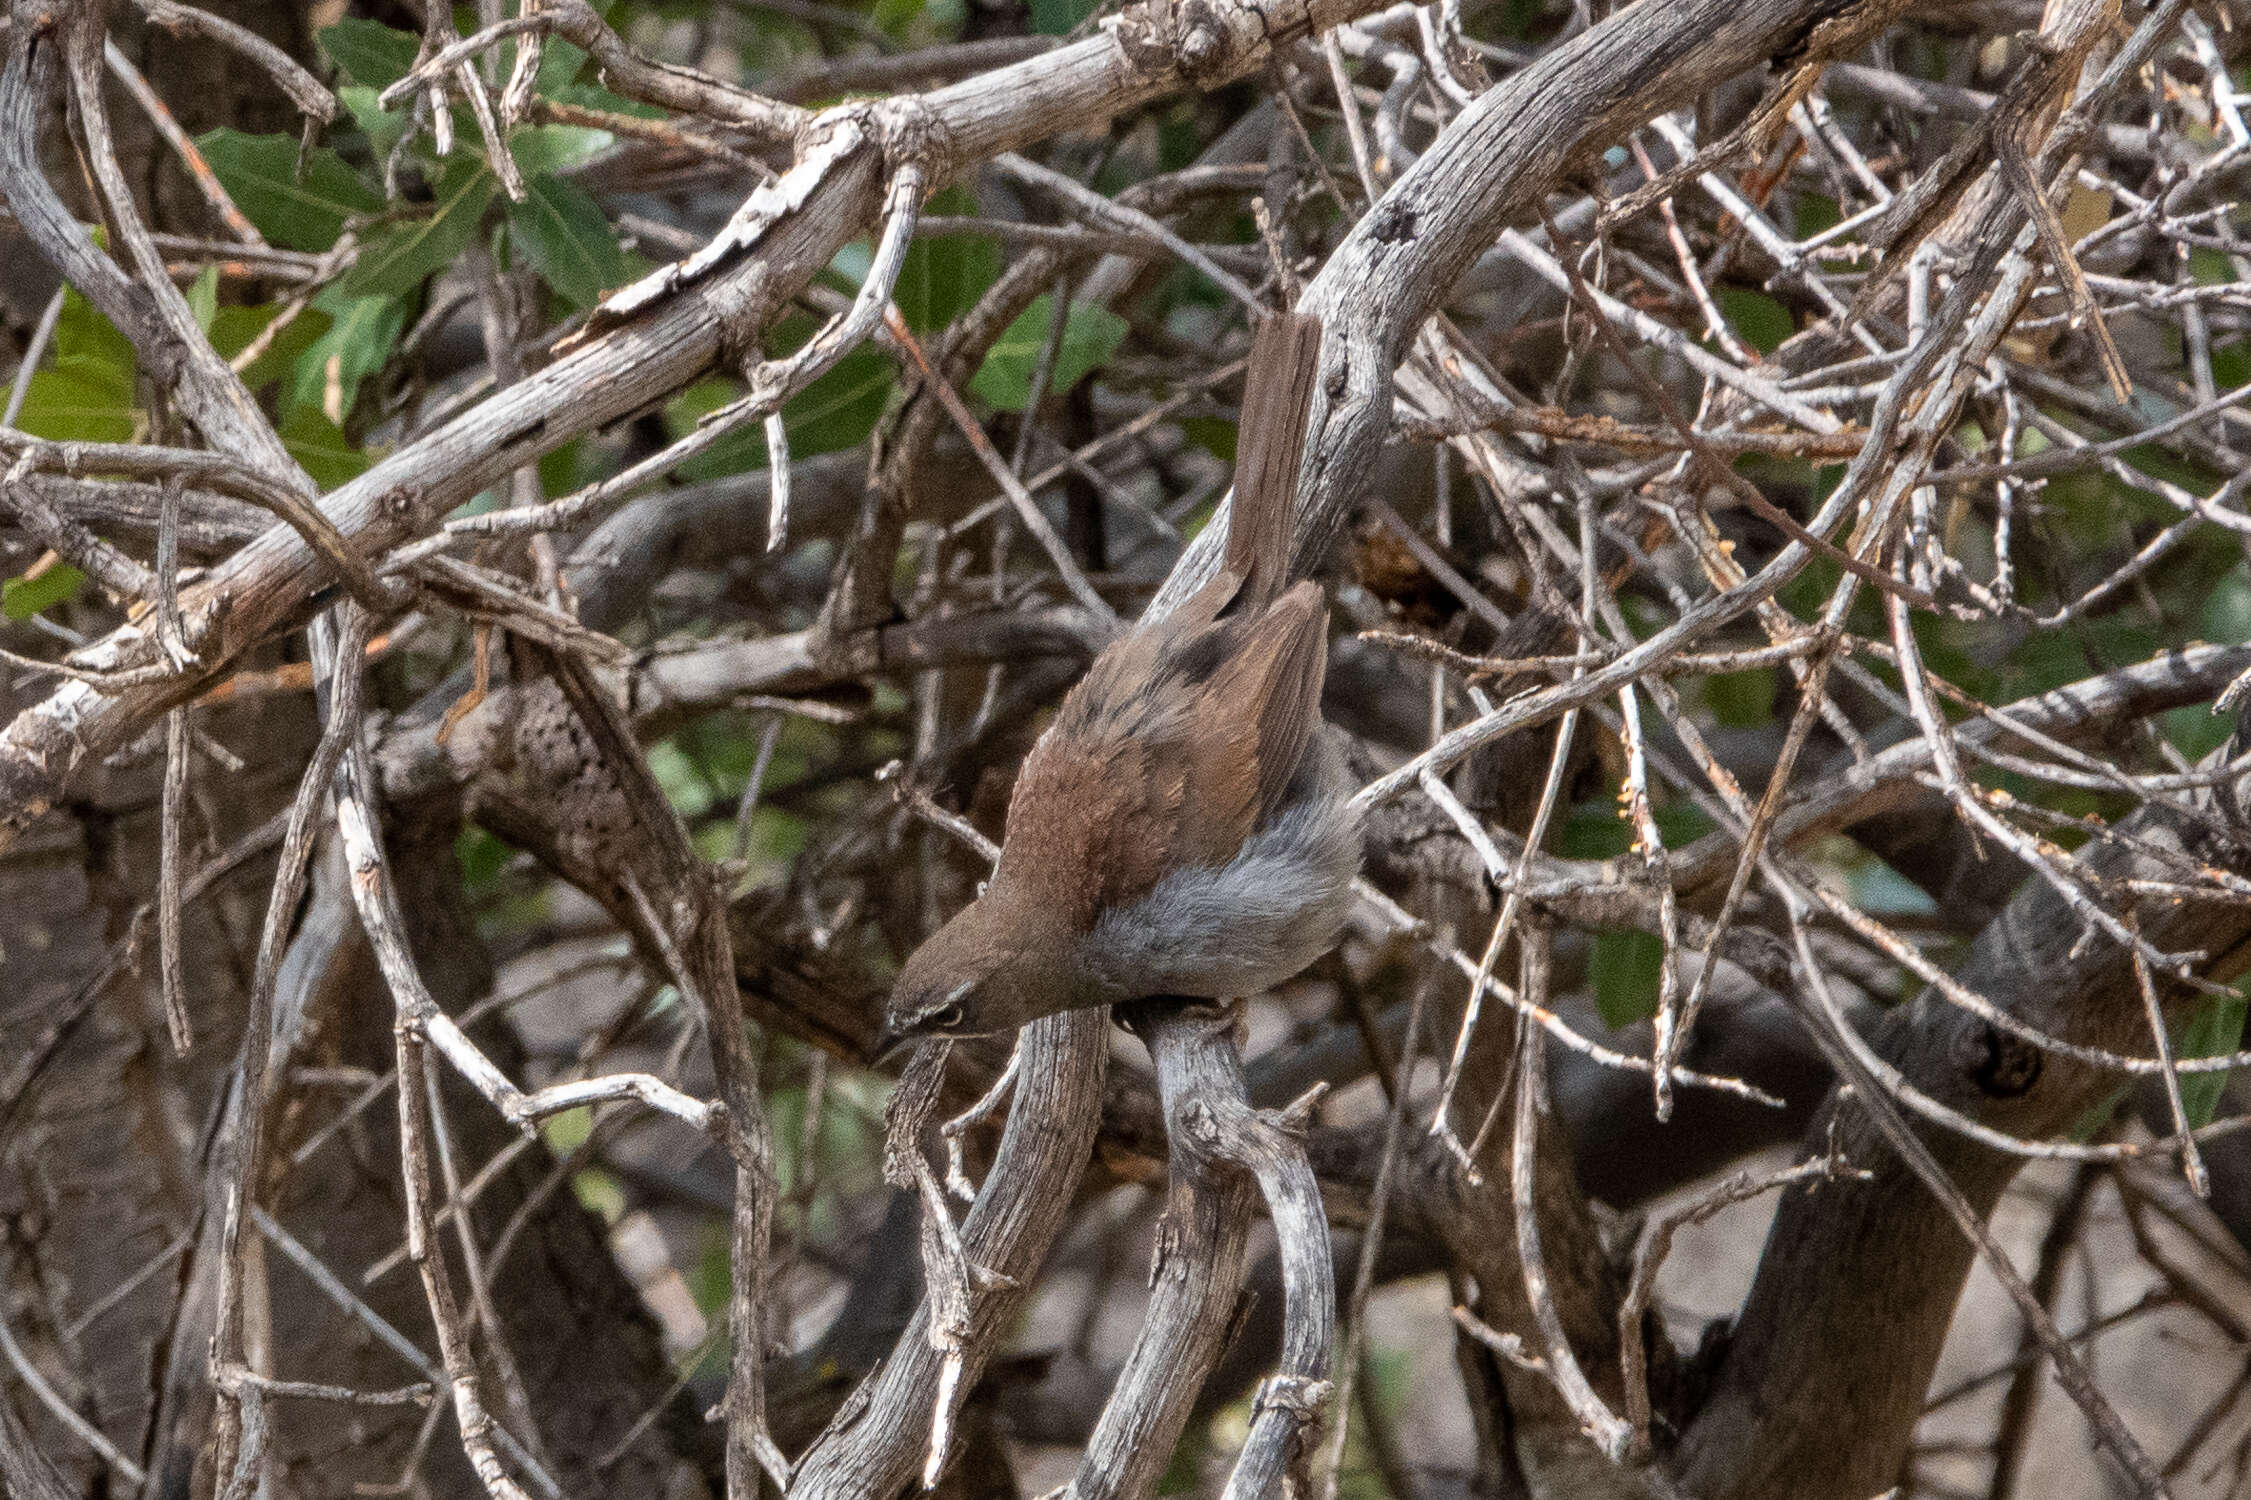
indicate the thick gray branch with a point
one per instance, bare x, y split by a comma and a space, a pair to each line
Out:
1832, 1323
671, 336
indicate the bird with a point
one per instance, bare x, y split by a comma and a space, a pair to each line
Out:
1183, 827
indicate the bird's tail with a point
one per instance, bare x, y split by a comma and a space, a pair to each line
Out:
1277, 400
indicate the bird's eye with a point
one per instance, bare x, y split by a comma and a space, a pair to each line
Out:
946, 1017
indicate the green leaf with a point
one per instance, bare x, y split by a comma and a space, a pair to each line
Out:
235, 327
1626, 967
72, 406
1214, 436
383, 126
2231, 366
941, 279
260, 172
357, 344
320, 445
1879, 889
2195, 730
481, 858
726, 747
87, 393
86, 340
560, 469
550, 148
374, 55
559, 62
1816, 212
21, 598
1060, 17
842, 407
2226, 616
2210, 267
1090, 336
1520, 19
919, 23
567, 1131
688, 408
894, 16
835, 412
1679, 824
776, 838
1180, 137
567, 240
203, 297
600, 1192
1757, 319
1742, 700
683, 785
397, 258
1594, 830
2215, 1030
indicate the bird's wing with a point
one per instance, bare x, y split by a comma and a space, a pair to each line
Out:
1256, 712
1231, 710
1184, 734
1247, 655
1093, 817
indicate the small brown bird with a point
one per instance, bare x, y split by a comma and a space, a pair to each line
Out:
1181, 828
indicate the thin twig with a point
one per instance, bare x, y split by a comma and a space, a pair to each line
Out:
1608, 1431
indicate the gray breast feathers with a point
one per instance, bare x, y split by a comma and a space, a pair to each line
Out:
1237, 928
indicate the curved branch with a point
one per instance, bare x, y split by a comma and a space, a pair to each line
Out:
643, 350
1224, 1156
874, 1447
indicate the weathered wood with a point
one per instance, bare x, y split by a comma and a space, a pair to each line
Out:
875, 1445
1210, 1203
271, 584
1225, 1157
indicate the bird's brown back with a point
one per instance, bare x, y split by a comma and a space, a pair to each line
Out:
1184, 735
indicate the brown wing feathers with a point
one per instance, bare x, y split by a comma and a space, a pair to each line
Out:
1277, 399
1184, 735
1254, 712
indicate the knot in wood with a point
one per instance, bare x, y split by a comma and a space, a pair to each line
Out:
909, 133
740, 305
1299, 1395
1143, 34
1203, 41
1192, 37
1337, 383
1199, 1124
1393, 224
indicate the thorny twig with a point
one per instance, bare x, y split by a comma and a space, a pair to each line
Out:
1875, 727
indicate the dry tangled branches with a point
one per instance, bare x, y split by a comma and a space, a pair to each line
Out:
1782, 465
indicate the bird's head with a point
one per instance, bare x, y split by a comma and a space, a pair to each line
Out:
991, 969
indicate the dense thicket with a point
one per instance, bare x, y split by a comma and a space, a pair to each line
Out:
535, 540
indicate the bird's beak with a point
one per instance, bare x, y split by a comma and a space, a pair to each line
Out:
889, 1043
